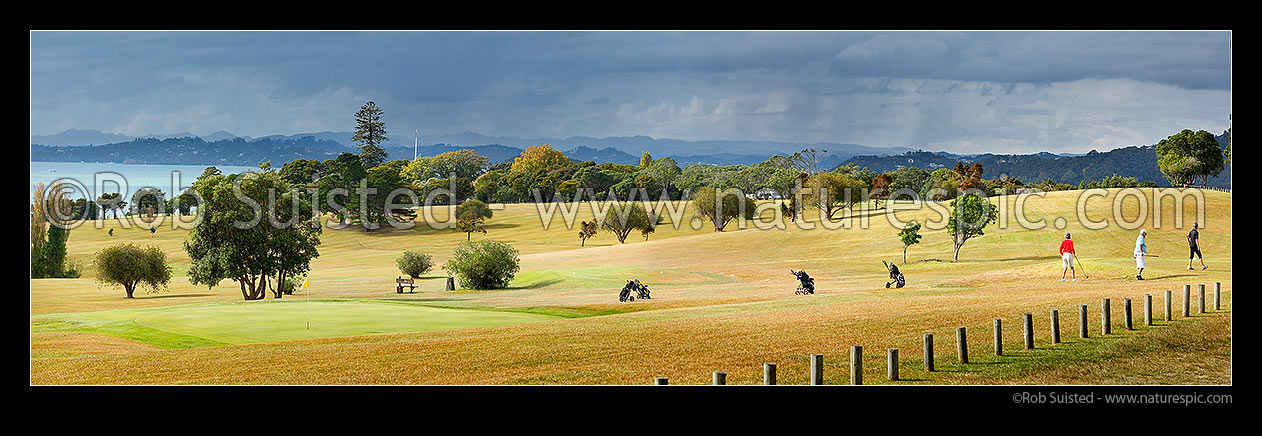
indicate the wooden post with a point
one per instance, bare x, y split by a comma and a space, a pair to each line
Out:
1186, 301
1126, 311
1029, 330
1055, 326
961, 344
660, 381
1082, 321
928, 352
892, 364
1218, 290
451, 283
1169, 303
1104, 317
769, 374
1200, 289
856, 364
998, 337
720, 378
817, 369
1148, 309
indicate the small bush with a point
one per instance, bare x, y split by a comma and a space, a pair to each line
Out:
129, 265
483, 264
73, 270
415, 264
289, 285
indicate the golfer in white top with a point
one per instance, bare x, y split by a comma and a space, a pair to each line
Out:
1141, 251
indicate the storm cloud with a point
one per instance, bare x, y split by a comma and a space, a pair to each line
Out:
954, 91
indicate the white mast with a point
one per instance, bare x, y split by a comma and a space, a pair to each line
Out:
416, 143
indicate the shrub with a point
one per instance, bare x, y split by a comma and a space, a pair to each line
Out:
483, 264
478, 208
129, 265
414, 264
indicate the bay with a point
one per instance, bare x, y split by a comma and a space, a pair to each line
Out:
133, 176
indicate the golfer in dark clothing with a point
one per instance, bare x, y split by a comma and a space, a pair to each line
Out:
1194, 243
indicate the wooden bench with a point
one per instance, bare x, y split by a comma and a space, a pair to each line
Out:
402, 282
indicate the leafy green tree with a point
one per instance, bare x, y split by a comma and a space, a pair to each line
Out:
777, 174
300, 172
720, 208
185, 201
148, 199
808, 160
414, 264
462, 163
908, 178
854, 171
662, 175
488, 186
645, 159
39, 232
476, 207
111, 202
942, 184
910, 235
343, 172
384, 181
970, 213
621, 226
129, 266
51, 218
463, 189
469, 223
484, 264
833, 192
370, 133
539, 167
246, 237
1187, 156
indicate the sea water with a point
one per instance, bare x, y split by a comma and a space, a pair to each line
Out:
103, 178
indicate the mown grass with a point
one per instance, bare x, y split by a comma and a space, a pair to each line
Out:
721, 301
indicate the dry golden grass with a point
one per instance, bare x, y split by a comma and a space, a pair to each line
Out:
722, 301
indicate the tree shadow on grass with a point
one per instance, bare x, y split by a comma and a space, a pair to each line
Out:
175, 296
536, 285
1031, 258
1171, 276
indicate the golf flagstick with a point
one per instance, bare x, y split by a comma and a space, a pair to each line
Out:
305, 291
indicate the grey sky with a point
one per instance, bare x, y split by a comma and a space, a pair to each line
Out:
963, 92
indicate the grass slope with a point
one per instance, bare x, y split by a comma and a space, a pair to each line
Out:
722, 301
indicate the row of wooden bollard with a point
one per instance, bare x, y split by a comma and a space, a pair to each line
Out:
961, 338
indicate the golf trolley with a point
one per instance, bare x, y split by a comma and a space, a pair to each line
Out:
807, 283
897, 277
640, 289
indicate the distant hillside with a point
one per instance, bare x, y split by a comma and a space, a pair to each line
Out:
719, 152
193, 151
1133, 161
279, 149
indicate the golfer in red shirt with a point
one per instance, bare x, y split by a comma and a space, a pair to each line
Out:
1067, 258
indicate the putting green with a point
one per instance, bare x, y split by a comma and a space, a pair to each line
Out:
259, 322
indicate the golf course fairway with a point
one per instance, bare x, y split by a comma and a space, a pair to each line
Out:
277, 321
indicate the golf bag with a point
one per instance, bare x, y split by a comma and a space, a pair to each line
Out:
641, 290
807, 285
895, 275
625, 295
